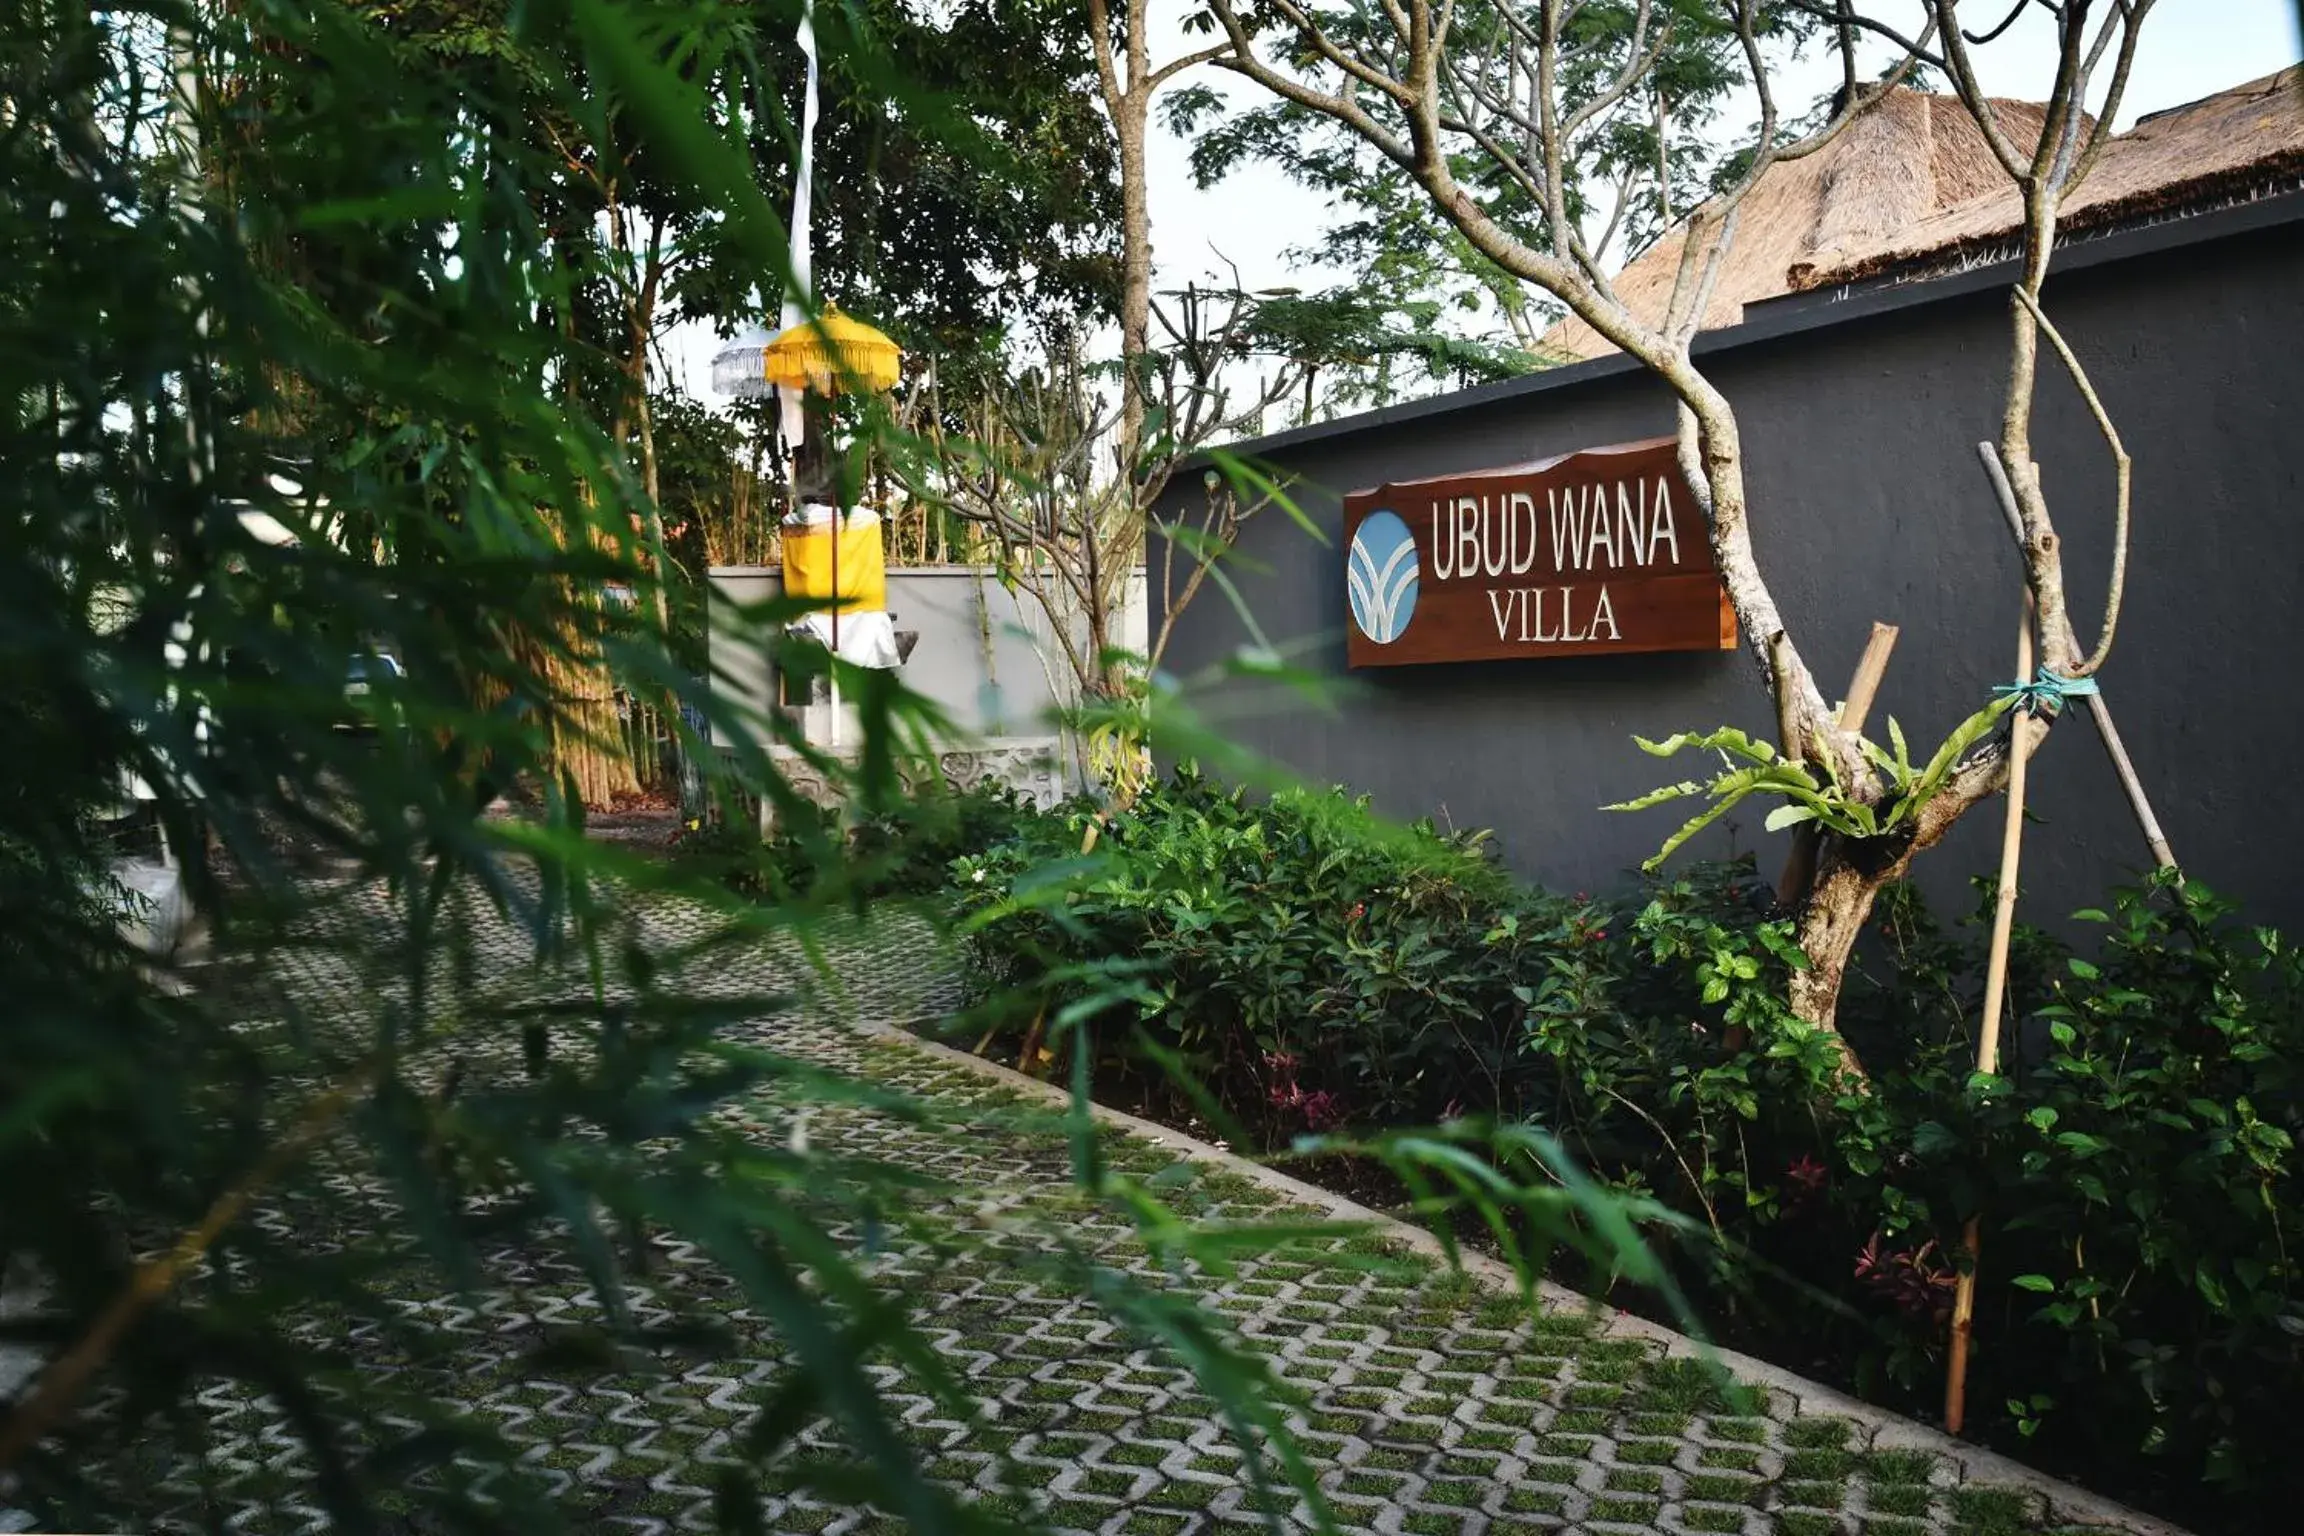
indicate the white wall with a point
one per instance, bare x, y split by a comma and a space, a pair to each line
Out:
986, 658
978, 658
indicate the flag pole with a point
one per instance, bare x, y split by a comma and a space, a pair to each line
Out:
836, 531
792, 402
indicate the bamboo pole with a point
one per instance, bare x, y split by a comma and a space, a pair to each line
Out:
2163, 856
1863, 688
1988, 1043
838, 526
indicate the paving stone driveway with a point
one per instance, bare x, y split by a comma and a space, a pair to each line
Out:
1427, 1404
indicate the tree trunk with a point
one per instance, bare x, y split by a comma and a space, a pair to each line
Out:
1838, 905
588, 743
1126, 75
640, 330
1135, 275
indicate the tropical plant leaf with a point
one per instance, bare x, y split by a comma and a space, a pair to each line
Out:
1654, 797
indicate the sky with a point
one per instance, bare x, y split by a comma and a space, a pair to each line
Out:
2190, 49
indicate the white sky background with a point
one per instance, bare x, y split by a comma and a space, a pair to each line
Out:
2190, 49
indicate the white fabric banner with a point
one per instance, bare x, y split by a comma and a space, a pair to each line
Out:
792, 419
866, 639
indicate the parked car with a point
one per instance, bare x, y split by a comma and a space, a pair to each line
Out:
361, 675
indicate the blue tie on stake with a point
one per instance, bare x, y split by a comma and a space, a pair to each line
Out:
2046, 693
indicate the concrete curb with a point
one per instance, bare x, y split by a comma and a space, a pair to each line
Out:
2066, 1504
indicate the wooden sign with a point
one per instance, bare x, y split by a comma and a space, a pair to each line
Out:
1598, 551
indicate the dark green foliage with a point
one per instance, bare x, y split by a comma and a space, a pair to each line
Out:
905, 850
2134, 1168
362, 244
359, 270
2143, 1190
1307, 969
965, 179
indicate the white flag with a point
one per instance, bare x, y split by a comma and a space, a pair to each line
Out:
793, 421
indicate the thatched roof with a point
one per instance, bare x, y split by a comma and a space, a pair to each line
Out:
2236, 145
1908, 157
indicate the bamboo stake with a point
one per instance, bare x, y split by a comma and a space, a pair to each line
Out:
1863, 688
2163, 856
1988, 1044
2098, 710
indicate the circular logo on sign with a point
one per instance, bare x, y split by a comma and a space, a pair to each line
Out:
1381, 573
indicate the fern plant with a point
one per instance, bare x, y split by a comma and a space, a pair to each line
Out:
1751, 766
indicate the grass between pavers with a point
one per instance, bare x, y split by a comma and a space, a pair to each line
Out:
1415, 1389
1639, 1407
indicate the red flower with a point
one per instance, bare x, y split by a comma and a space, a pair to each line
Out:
1916, 1281
1322, 1110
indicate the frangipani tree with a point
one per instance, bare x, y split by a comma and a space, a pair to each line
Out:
1035, 474
1497, 113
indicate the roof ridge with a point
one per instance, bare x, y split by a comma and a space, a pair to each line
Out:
2262, 85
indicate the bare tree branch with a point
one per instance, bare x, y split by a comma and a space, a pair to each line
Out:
1184, 61
2133, 13
1524, 98
1962, 70
2120, 475
1638, 64
1840, 13
2014, 11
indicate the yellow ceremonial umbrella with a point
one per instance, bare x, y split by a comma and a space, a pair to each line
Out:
832, 355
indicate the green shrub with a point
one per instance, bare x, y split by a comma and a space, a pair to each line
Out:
1310, 968
905, 850
2134, 1166
2142, 1193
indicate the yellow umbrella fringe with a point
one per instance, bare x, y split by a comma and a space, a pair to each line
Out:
830, 353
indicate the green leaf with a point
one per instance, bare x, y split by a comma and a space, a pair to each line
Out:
1655, 797
1955, 746
2033, 1283
1727, 740
1933, 1139
1689, 829
1789, 816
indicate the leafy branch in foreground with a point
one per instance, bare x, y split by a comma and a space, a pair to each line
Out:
557, 1085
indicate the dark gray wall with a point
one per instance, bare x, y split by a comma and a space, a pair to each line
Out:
1860, 421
